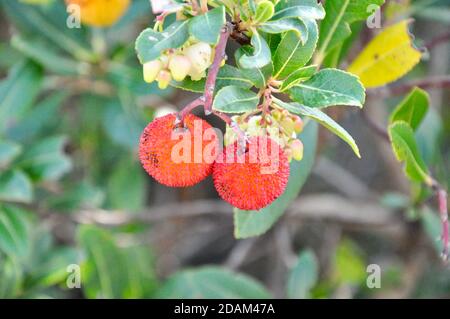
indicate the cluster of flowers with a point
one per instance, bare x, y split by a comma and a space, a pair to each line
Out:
280, 125
193, 59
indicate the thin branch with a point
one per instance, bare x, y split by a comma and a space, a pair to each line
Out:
310, 207
195, 6
436, 82
188, 108
442, 196
204, 5
240, 252
215, 67
441, 39
377, 128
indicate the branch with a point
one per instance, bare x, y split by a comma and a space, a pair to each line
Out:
310, 207
215, 67
442, 196
377, 128
438, 40
436, 82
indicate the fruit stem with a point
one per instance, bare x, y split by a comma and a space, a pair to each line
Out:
234, 126
188, 108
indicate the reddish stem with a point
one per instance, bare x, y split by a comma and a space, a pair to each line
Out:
188, 108
234, 126
442, 198
215, 67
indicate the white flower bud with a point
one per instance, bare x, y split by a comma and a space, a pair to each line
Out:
163, 79
179, 66
200, 56
297, 150
151, 70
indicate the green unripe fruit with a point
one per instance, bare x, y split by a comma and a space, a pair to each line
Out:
264, 11
179, 66
163, 79
151, 70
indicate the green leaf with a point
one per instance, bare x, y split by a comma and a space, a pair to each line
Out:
259, 77
349, 263
233, 99
264, 11
15, 186
111, 271
260, 55
428, 137
254, 223
303, 276
39, 52
330, 87
323, 119
335, 28
11, 278
291, 54
142, 281
80, 195
212, 283
8, 152
207, 27
412, 109
126, 187
298, 76
433, 227
40, 117
150, 44
52, 268
18, 92
46, 160
14, 231
51, 24
104, 272
122, 127
303, 9
406, 150
281, 26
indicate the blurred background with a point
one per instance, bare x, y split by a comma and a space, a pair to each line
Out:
72, 191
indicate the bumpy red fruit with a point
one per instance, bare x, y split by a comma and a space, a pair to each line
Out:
159, 150
257, 178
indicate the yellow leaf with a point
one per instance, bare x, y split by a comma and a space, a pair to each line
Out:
388, 57
101, 13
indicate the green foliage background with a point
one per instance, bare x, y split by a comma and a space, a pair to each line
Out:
72, 106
